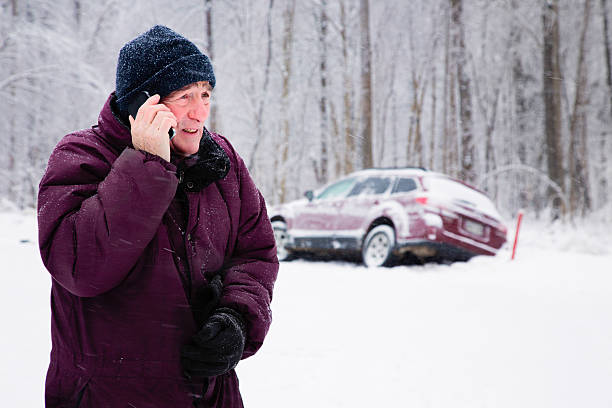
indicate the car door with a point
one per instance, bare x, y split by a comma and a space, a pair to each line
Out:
359, 205
315, 222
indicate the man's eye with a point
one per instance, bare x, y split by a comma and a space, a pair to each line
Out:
205, 95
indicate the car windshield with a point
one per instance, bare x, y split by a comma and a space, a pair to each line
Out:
337, 190
370, 185
461, 194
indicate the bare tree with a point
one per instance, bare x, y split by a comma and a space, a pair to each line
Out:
433, 126
348, 104
468, 154
519, 79
281, 168
262, 100
210, 50
603, 160
366, 86
450, 145
78, 12
389, 100
12, 131
418, 80
552, 99
580, 200
322, 167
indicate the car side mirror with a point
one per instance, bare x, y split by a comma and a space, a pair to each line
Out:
309, 195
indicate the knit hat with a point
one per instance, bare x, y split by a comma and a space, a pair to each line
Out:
159, 61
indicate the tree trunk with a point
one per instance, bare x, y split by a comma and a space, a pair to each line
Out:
520, 102
453, 143
78, 12
580, 201
323, 173
12, 137
518, 115
349, 128
337, 141
445, 98
389, 97
415, 139
449, 154
394, 138
259, 115
208, 10
603, 161
288, 17
490, 149
468, 168
552, 101
432, 137
488, 104
366, 86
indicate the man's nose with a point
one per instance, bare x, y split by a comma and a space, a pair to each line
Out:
198, 109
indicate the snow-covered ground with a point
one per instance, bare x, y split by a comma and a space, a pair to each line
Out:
533, 332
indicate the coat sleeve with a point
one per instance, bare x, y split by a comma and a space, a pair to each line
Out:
253, 266
95, 218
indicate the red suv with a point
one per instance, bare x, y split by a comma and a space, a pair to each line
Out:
387, 214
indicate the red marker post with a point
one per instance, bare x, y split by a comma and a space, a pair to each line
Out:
516, 234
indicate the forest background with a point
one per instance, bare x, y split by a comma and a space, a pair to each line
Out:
512, 96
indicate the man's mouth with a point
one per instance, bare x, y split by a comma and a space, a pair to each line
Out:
190, 131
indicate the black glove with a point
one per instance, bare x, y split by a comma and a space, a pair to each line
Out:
206, 300
217, 347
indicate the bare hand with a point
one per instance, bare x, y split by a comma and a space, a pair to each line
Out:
150, 128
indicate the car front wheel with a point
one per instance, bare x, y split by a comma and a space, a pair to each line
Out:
378, 246
282, 238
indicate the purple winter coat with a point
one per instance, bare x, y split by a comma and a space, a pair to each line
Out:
129, 260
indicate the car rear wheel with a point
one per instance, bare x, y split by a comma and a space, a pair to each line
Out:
282, 238
378, 246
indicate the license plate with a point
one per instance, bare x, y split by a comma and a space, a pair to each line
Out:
473, 227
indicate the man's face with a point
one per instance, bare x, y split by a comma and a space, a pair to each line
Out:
191, 107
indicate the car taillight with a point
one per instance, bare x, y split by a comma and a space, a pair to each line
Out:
421, 200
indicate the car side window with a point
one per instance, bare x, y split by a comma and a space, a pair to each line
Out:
404, 185
370, 186
336, 190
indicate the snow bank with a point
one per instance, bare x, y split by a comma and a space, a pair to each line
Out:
534, 332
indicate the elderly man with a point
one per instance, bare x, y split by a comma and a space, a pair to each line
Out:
160, 249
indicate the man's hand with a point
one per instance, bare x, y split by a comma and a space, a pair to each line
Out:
217, 347
150, 128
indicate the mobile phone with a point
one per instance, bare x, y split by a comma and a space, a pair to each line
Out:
137, 102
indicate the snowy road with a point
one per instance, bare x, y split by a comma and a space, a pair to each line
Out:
535, 332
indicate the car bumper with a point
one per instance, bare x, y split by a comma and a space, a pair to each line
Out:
434, 242
426, 249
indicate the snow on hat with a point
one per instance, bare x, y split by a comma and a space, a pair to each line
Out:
159, 61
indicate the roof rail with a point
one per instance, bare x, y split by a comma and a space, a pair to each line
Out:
398, 168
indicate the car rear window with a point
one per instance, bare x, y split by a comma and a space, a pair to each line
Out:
405, 185
370, 185
460, 193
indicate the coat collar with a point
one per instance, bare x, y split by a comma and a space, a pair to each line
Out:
114, 130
